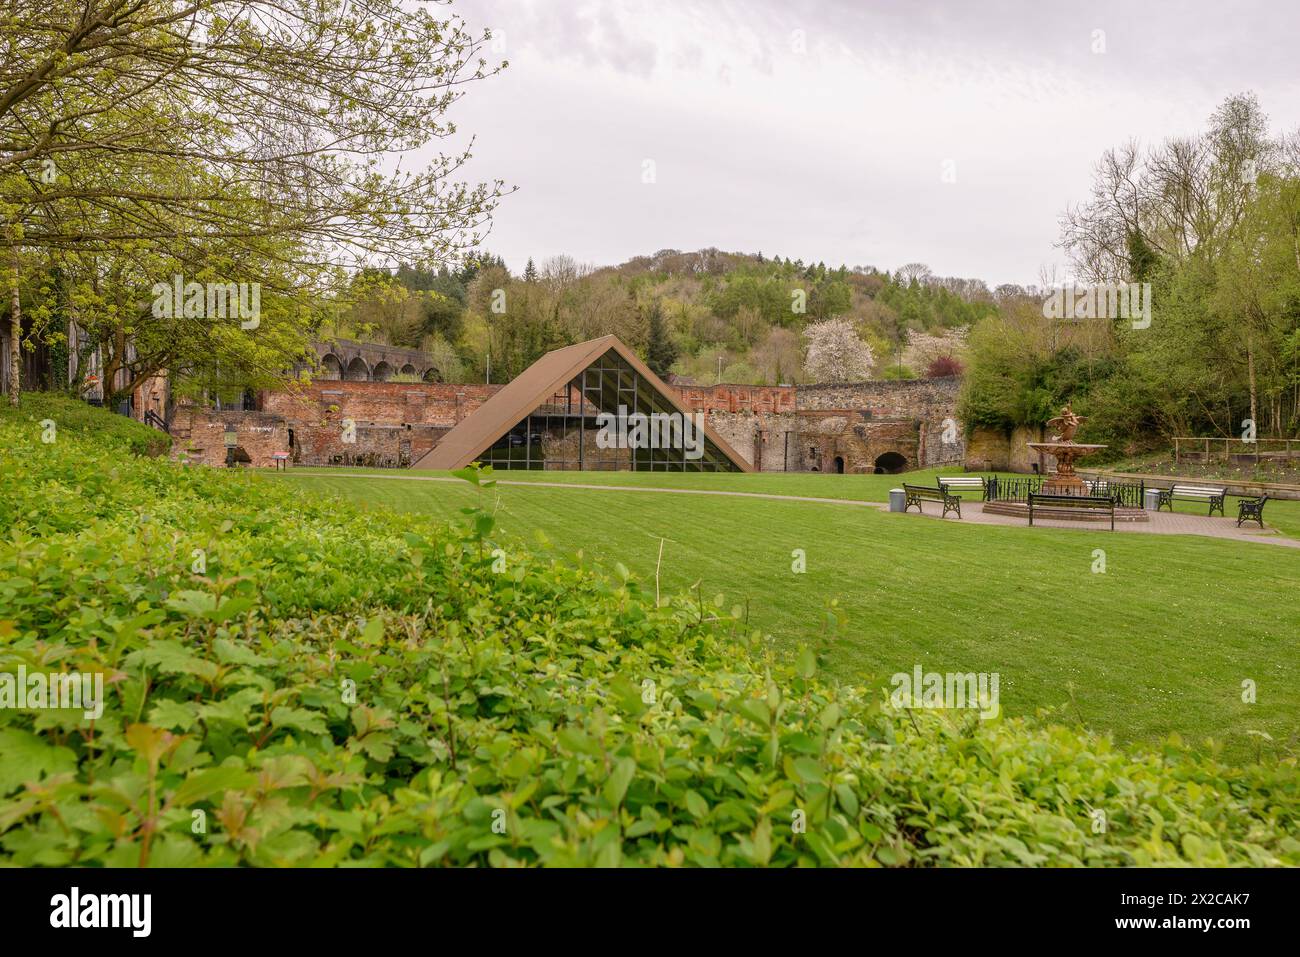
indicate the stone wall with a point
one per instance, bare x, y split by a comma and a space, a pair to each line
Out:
826, 428
364, 361
992, 450
763, 439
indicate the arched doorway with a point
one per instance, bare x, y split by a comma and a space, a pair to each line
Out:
890, 463
839, 465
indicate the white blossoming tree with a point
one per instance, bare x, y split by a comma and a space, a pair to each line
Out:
835, 353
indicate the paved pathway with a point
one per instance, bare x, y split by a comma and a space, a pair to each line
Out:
1162, 523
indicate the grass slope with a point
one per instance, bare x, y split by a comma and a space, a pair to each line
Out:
1160, 643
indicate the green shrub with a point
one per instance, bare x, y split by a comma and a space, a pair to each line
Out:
299, 682
74, 417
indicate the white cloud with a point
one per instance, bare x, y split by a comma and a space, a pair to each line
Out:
838, 153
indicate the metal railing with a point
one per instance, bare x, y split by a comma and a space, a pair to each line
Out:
157, 421
1124, 494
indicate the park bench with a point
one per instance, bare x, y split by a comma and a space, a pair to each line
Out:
1251, 510
916, 494
1196, 493
958, 482
1064, 502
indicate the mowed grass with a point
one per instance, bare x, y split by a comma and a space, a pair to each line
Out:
1161, 642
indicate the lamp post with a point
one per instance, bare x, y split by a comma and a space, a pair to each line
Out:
232, 439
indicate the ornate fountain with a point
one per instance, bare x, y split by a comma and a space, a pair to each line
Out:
1065, 450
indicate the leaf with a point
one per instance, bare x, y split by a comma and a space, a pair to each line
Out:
195, 604
300, 718
806, 663
619, 779
173, 659
754, 710
627, 696
803, 769
180, 715
28, 757
201, 785
698, 807
373, 633
468, 474
149, 742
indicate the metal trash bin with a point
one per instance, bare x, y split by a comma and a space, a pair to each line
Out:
1151, 499
897, 500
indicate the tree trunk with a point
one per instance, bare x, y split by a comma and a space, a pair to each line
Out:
114, 361
15, 336
1250, 372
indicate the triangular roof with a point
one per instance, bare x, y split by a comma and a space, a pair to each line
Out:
478, 431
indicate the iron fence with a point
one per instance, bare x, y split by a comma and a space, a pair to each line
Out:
1124, 494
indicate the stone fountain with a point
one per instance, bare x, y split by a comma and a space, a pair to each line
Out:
1065, 450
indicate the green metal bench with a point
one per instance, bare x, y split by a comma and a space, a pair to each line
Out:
1251, 510
958, 482
916, 494
1198, 493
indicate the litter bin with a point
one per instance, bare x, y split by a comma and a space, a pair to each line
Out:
1151, 499
897, 500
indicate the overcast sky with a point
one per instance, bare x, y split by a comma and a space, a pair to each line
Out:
867, 133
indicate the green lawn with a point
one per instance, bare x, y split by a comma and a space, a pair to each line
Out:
1161, 642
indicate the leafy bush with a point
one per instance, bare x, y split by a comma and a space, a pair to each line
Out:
298, 682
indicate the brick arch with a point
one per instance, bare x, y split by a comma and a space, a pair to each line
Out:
382, 372
890, 463
331, 367
407, 369
431, 375
357, 370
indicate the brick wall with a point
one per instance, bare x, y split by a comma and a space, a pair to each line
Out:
393, 423
775, 428
737, 398
200, 435
426, 403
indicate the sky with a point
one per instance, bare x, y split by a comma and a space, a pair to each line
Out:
873, 133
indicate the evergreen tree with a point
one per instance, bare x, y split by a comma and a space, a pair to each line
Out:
661, 351
530, 271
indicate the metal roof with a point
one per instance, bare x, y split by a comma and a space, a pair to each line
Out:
478, 431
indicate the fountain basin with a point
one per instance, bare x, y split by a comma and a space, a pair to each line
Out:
1064, 480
